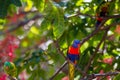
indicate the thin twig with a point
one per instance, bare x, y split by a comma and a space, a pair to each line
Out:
60, 69
94, 32
21, 24
11, 78
92, 17
98, 30
58, 48
64, 64
97, 48
113, 16
84, 40
92, 76
79, 13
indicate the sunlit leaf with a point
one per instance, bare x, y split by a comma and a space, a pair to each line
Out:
79, 2
34, 30
40, 4
24, 43
29, 5
58, 24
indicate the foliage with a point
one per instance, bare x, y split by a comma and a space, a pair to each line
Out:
35, 35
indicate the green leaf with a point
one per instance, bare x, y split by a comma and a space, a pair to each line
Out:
58, 24
40, 4
79, 2
59, 76
16, 2
117, 77
24, 43
54, 19
46, 24
34, 30
48, 19
4, 4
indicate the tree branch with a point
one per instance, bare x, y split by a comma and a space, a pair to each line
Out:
94, 32
91, 16
97, 48
58, 48
60, 69
113, 16
84, 40
92, 76
22, 24
79, 13
98, 30
11, 78
64, 64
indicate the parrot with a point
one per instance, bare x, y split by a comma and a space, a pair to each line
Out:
101, 12
10, 69
73, 55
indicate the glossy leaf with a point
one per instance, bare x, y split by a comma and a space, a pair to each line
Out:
4, 8
40, 4
16, 2
58, 23
117, 77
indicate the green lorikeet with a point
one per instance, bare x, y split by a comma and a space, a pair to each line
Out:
10, 69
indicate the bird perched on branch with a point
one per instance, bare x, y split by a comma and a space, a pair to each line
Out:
73, 55
101, 12
10, 69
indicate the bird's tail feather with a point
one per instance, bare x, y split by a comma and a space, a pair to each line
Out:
71, 71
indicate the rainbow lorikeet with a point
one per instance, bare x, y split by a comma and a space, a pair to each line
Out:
73, 51
73, 55
10, 69
101, 12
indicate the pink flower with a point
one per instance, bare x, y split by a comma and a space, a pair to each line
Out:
108, 60
3, 77
23, 75
65, 78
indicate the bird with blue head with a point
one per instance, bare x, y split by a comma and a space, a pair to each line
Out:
73, 55
73, 51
